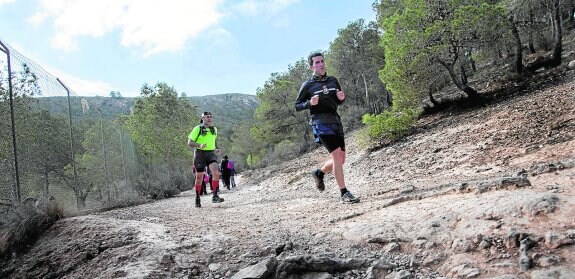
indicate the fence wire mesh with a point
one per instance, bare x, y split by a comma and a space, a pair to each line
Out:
66, 147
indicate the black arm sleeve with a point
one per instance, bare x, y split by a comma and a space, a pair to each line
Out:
302, 101
338, 86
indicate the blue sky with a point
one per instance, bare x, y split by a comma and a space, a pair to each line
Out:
201, 47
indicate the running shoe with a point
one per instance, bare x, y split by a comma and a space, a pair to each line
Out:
348, 198
318, 179
216, 199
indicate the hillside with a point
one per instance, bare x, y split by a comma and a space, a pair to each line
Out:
471, 193
229, 108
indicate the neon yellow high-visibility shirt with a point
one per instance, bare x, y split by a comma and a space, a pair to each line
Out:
206, 137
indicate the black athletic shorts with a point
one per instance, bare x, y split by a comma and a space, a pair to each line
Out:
330, 135
332, 142
204, 158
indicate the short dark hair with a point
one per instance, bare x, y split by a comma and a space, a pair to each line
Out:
312, 55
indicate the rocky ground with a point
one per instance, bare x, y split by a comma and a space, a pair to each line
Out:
472, 193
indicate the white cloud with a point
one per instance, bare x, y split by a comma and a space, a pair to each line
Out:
221, 38
268, 9
77, 86
149, 25
49, 74
2, 2
83, 87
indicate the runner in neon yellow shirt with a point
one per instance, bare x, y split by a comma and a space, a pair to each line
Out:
203, 139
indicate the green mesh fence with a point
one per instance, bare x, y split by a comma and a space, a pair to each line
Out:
67, 147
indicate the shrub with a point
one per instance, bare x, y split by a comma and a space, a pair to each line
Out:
390, 124
23, 223
155, 187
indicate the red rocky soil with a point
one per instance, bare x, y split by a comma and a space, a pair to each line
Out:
478, 193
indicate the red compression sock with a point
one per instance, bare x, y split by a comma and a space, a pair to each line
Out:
215, 184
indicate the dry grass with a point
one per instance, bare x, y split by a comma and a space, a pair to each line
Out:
23, 223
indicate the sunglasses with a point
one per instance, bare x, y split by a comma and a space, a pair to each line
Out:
207, 114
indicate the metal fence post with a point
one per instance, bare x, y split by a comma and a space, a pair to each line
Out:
123, 160
76, 190
14, 146
104, 155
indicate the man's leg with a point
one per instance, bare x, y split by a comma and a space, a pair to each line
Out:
336, 147
338, 157
215, 182
318, 174
327, 167
336, 164
198, 187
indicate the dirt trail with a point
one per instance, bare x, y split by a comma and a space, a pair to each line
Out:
468, 195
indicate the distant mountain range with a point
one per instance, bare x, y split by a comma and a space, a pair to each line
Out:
228, 109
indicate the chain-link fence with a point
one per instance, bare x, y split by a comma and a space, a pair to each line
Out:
56, 144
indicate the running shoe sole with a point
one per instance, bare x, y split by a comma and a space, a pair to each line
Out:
348, 198
349, 202
319, 184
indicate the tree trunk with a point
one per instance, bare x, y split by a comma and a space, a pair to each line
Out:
557, 35
46, 182
81, 202
431, 99
462, 74
518, 47
555, 59
471, 61
365, 87
572, 13
531, 45
81, 198
168, 170
496, 54
471, 93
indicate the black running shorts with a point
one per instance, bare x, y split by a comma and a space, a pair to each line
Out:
204, 158
332, 142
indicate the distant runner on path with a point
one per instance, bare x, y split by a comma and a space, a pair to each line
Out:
232, 169
322, 95
203, 139
226, 173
